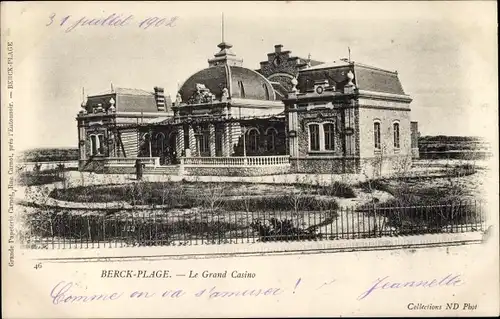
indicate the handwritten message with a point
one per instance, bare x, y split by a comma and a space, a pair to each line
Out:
70, 23
69, 292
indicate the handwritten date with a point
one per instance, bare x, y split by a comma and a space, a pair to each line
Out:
69, 23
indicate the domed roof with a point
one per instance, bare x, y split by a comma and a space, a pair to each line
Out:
239, 81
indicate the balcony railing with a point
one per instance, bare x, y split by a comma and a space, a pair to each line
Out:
130, 161
236, 161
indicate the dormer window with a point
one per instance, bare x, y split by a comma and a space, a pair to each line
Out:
266, 91
277, 61
242, 89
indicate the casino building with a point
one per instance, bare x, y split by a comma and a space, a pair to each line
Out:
292, 115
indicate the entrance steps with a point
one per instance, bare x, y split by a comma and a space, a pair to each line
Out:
163, 170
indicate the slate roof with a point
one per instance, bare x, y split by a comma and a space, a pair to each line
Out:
377, 80
129, 91
128, 100
366, 77
216, 78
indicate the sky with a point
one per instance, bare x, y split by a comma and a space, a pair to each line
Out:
445, 54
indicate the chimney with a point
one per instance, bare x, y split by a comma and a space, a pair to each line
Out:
277, 48
160, 99
168, 103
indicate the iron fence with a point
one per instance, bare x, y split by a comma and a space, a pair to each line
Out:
62, 229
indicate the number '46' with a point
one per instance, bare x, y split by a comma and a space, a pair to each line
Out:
38, 266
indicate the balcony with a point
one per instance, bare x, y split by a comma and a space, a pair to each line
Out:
130, 161
237, 161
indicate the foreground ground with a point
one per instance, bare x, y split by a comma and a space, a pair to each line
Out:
85, 208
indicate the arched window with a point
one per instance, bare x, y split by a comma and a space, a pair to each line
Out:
329, 132
395, 127
314, 137
271, 135
159, 144
242, 89
266, 91
253, 140
376, 135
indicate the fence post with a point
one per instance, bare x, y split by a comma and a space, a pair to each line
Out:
342, 222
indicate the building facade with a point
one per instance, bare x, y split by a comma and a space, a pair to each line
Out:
292, 115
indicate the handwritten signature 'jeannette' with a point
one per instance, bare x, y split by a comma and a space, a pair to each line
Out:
386, 283
70, 23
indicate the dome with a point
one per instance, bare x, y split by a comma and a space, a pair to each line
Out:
240, 82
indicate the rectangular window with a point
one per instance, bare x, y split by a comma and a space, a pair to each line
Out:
396, 135
376, 135
186, 136
329, 136
100, 149
204, 140
219, 135
93, 145
314, 137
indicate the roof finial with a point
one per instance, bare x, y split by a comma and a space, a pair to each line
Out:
83, 97
222, 30
112, 89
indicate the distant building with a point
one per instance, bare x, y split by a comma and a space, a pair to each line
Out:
293, 114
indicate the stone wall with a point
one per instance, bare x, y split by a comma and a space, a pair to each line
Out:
367, 116
386, 166
95, 165
325, 165
318, 117
236, 171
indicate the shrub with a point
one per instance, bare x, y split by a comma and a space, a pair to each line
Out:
279, 203
337, 189
36, 178
376, 184
281, 230
430, 219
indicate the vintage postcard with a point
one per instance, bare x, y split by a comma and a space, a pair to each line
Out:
249, 159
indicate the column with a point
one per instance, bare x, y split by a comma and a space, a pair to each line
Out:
179, 141
349, 137
211, 137
235, 133
150, 139
192, 141
226, 145
82, 141
292, 133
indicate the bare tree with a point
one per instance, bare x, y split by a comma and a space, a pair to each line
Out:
212, 196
